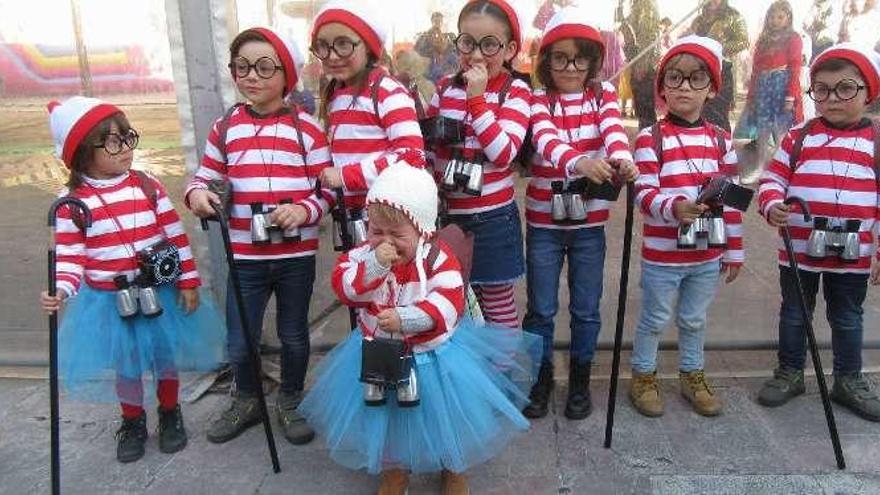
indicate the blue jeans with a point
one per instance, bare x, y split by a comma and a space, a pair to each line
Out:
545, 251
498, 250
844, 295
291, 281
695, 287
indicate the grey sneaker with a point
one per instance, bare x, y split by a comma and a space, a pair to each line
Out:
243, 413
296, 430
854, 392
785, 385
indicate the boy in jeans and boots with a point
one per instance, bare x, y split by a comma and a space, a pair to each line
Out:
831, 163
677, 157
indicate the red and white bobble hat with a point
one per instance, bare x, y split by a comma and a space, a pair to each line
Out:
706, 49
289, 55
360, 17
568, 23
865, 58
515, 26
73, 120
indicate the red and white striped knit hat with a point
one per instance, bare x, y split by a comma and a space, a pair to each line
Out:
865, 58
360, 17
569, 23
515, 26
706, 49
73, 120
289, 55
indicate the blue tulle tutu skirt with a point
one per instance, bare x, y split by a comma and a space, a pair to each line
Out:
471, 388
99, 351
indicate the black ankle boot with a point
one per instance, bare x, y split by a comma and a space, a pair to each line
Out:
172, 434
578, 405
130, 439
539, 396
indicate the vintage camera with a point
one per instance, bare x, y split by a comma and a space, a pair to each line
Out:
464, 174
442, 131
357, 227
721, 191
160, 263
140, 297
709, 227
386, 364
567, 201
841, 240
262, 229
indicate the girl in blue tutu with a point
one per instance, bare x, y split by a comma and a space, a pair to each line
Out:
139, 309
453, 408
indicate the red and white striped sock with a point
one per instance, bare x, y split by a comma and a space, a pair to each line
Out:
498, 304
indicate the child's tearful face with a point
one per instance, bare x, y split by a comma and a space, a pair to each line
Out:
402, 235
838, 112
264, 94
106, 165
685, 72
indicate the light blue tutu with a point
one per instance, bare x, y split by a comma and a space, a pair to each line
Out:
471, 388
97, 348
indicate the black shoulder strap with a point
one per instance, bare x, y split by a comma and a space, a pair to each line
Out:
294, 112
502, 93
657, 134
223, 128
720, 142
374, 94
875, 125
798, 144
147, 186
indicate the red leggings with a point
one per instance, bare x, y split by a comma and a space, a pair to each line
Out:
131, 395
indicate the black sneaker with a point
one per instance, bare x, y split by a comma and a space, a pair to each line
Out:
172, 434
130, 439
785, 385
294, 425
243, 413
853, 391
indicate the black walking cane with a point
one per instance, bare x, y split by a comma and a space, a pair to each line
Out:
811, 335
55, 456
621, 312
220, 217
340, 217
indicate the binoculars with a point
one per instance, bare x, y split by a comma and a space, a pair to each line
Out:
262, 229
567, 203
442, 131
837, 240
464, 175
710, 227
138, 297
357, 228
407, 391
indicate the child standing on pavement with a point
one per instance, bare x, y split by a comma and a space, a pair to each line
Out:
494, 107
830, 162
676, 158
270, 155
407, 286
578, 133
136, 250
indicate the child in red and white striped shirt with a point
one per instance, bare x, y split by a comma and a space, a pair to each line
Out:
831, 163
577, 131
676, 159
370, 117
133, 314
494, 107
271, 156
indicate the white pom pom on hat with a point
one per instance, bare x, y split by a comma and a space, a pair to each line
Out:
360, 17
73, 120
706, 49
864, 58
289, 55
411, 190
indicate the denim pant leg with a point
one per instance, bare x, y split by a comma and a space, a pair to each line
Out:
792, 332
544, 252
294, 279
586, 261
696, 293
659, 288
256, 286
844, 295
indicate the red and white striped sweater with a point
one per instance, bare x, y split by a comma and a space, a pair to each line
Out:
264, 164
690, 158
566, 128
362, 143
835, 175
495, 132
104, 251
444, 302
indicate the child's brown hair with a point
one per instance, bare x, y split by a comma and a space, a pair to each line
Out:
84, 156
388, 213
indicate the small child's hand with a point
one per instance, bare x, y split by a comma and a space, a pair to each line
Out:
477, 78
597, 170
288, 216
732, 272
389, 320
200, 201
627, 170
189, 300
331, 177
687, 211
52, 304
875, 273
778, 214
386, 254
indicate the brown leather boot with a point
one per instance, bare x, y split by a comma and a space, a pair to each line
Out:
453, 483
644, 393
697, 391
393, 482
